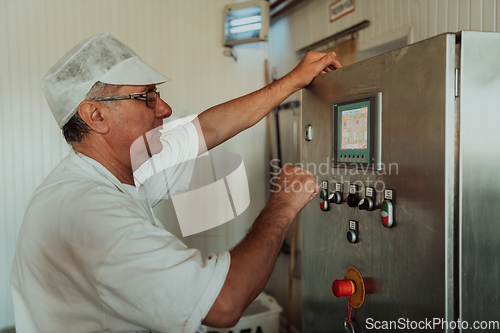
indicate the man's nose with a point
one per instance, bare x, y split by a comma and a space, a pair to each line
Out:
162, 109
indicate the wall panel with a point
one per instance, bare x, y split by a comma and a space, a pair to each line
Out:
497, 13
489, 15
464, 16
414, 16
406, 13
441, 17
398, 13
453, 15
432, 21
476, 15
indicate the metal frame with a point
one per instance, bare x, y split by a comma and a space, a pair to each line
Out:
409, 263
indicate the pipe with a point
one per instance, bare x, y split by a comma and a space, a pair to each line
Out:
276, 3
286, 8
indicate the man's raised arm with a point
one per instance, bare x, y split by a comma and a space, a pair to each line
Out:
224, 121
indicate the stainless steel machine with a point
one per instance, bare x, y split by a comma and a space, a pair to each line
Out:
406, 148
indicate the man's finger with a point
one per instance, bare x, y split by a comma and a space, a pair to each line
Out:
329, 62
327, 59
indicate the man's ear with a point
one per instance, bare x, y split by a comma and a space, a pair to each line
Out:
91, 113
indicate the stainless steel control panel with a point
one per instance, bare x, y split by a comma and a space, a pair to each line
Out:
405, 225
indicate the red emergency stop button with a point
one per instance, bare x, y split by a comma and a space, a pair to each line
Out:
351, 286
342, 288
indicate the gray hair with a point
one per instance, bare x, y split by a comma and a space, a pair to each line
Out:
76, 129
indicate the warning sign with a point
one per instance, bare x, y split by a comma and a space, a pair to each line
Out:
341, 8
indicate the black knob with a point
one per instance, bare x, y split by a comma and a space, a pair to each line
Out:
366, 204
352, 200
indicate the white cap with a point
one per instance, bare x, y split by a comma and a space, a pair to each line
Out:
99, 58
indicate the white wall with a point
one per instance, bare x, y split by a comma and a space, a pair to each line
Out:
182, 39
390, 20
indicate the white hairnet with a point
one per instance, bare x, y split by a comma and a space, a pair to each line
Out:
99, 58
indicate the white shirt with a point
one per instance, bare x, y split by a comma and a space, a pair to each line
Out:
91, 257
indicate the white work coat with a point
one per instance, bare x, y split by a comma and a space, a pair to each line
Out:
91, 257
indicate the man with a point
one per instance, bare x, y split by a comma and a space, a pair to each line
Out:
90, 256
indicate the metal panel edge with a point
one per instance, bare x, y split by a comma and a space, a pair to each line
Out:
479, 178
451, 179
378, 133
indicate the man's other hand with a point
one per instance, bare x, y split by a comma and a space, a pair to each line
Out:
312, 65
294, 188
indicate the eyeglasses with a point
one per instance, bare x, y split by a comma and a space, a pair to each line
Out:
150, 97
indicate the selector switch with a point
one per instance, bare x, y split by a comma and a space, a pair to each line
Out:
367, 202
352, 198
387, 209
336, 197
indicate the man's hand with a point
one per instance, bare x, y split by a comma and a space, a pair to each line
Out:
294, 188
312, 65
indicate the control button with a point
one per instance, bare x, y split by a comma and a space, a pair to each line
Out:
351, 286
366, 204
386, 214
323, 200
309, 133
351, 236
343, 288
352, 232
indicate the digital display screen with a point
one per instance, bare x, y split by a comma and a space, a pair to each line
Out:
354, 131
357, 132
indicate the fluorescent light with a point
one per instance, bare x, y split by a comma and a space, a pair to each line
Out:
245, 20
244, 28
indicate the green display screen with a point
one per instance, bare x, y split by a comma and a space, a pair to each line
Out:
353, 130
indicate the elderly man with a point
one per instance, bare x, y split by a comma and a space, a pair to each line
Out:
90, 256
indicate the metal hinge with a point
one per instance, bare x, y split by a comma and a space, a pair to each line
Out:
457, 78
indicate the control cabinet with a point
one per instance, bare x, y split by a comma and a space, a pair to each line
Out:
408, 198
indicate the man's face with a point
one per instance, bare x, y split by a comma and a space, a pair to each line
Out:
131, 119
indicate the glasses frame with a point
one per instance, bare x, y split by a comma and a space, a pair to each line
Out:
139, 96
